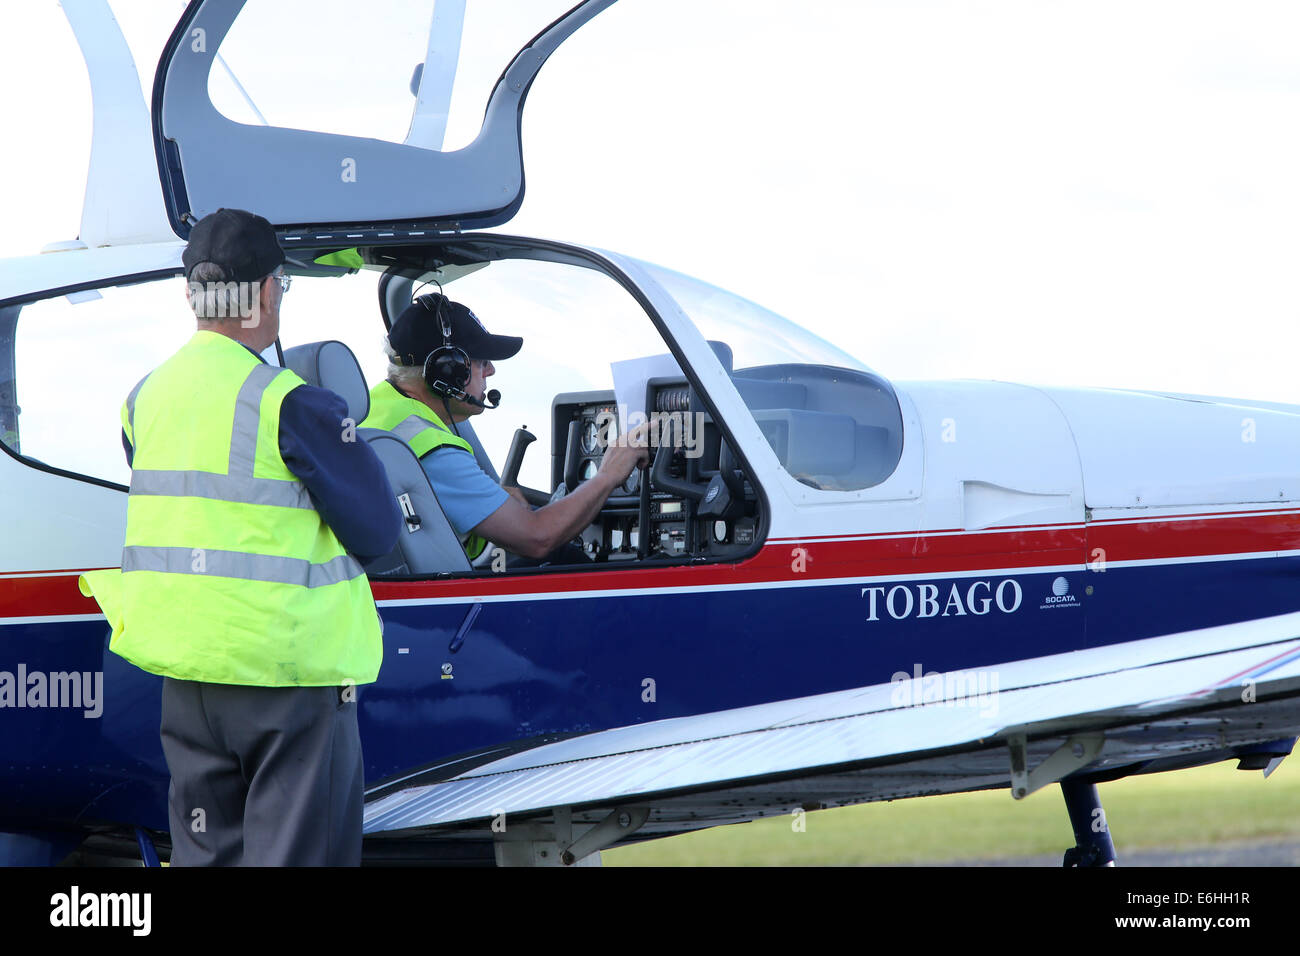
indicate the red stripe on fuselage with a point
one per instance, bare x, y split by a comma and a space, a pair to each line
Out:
811, 559
926, 554
32, 596
1184, 538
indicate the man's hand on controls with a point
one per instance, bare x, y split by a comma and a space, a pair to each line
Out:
626, 452
536, 534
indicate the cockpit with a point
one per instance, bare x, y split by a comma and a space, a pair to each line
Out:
831, 427
609, 343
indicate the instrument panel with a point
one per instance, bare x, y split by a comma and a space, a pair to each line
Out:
693, 501
581, 429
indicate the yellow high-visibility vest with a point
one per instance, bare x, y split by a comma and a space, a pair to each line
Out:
229, 574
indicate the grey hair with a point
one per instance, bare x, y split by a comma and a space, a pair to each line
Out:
401, 373
214, 299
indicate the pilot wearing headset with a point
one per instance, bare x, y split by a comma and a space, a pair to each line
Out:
440, 357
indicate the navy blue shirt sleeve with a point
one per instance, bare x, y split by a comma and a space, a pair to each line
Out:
346, 481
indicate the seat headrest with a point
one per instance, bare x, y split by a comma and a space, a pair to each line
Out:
332, 365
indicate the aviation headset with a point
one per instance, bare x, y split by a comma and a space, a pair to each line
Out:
446, 368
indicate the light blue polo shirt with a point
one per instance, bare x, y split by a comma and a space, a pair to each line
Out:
464, 490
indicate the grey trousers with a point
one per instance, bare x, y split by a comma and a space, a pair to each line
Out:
262, 776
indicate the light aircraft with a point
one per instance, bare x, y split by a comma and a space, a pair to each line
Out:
829, 588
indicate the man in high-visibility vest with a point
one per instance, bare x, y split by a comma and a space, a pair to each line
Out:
430, 389
251, 506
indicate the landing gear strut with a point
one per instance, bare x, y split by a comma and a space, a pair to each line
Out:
1091, 833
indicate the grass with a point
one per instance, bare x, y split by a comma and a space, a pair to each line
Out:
1199, 807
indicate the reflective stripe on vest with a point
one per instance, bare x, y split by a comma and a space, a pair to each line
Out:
238, 484
128, 412
236, 564
410, 429
417, 425
202, 484
232, 577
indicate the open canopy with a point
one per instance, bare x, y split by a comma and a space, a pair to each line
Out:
293, 165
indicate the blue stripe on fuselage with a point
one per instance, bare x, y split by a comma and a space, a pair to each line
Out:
530, 667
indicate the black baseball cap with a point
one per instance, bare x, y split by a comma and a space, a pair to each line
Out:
240, 242
418, 331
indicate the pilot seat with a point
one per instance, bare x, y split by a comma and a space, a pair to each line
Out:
428, 544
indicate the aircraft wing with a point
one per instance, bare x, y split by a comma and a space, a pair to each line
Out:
1154, 704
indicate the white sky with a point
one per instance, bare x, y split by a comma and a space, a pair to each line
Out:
1055, 192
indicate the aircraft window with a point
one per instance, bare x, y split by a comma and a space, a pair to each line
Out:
831, 428
577, 324
574, 322
356, 65
833, 423
68, 362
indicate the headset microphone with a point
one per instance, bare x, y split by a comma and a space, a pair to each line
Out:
493, 397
